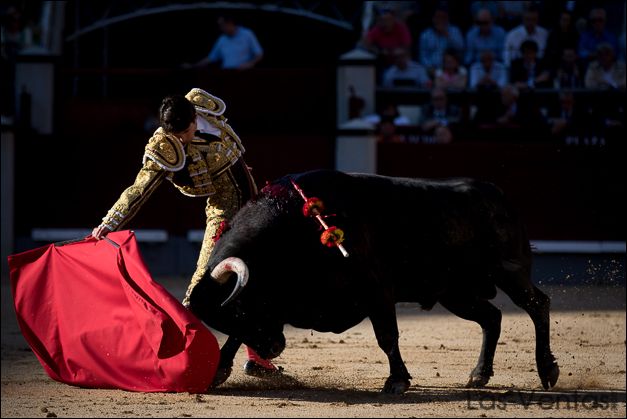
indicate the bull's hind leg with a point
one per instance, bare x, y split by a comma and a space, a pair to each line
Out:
489, 318
536, 303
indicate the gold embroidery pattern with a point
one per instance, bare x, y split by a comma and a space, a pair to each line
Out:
208, 166
220, 207
206, 101
166, 151
148, 179
205, 162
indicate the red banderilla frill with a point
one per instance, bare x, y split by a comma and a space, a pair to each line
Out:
313, 207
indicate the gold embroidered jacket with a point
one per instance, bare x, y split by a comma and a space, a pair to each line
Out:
191, 168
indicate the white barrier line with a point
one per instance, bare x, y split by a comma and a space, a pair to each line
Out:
577, 246
61, 234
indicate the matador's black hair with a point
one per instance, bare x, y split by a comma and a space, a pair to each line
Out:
176, 113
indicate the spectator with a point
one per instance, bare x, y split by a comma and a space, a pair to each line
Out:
443, 135
605, 72
387, 131
487, 73
439, 113
484, 35
569, 73
511, 12
436, 40
388, 34
596, 35
568, 120
491, 6
16, 34
451, 75
402, 9
237, 47
389, 111
529, 29
560, 38
509, 116
520, 113
406, 72
528, 71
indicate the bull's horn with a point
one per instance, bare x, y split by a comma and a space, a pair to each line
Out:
221, 271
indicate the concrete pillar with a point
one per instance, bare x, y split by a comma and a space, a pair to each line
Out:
356, 145
356, 72
34, 75
356, 148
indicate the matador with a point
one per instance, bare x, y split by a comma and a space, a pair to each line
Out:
200, 154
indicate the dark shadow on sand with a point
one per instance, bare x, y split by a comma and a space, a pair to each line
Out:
290, 389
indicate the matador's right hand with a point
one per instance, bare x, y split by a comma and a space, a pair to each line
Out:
100, 232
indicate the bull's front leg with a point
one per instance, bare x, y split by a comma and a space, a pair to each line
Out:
225, 366
383, 320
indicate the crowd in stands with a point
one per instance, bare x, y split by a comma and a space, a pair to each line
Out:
500, 60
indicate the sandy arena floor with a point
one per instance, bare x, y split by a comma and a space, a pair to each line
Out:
329, 375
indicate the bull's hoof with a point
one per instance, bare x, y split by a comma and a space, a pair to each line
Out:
549, 375
396, 385
477, 381
479, 377
221, 376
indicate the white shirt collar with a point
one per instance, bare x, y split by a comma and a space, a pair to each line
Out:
206, 127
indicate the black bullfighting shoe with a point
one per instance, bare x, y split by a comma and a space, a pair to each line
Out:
256, 369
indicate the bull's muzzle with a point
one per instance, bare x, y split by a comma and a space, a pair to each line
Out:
220, 274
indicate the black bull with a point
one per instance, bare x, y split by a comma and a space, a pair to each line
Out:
409, 240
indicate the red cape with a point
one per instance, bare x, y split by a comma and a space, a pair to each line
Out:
95, 318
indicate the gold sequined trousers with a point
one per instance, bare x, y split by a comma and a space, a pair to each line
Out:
233, 188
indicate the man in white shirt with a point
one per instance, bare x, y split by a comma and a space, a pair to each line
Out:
487, 72
237, 47
405, 72
529, 29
